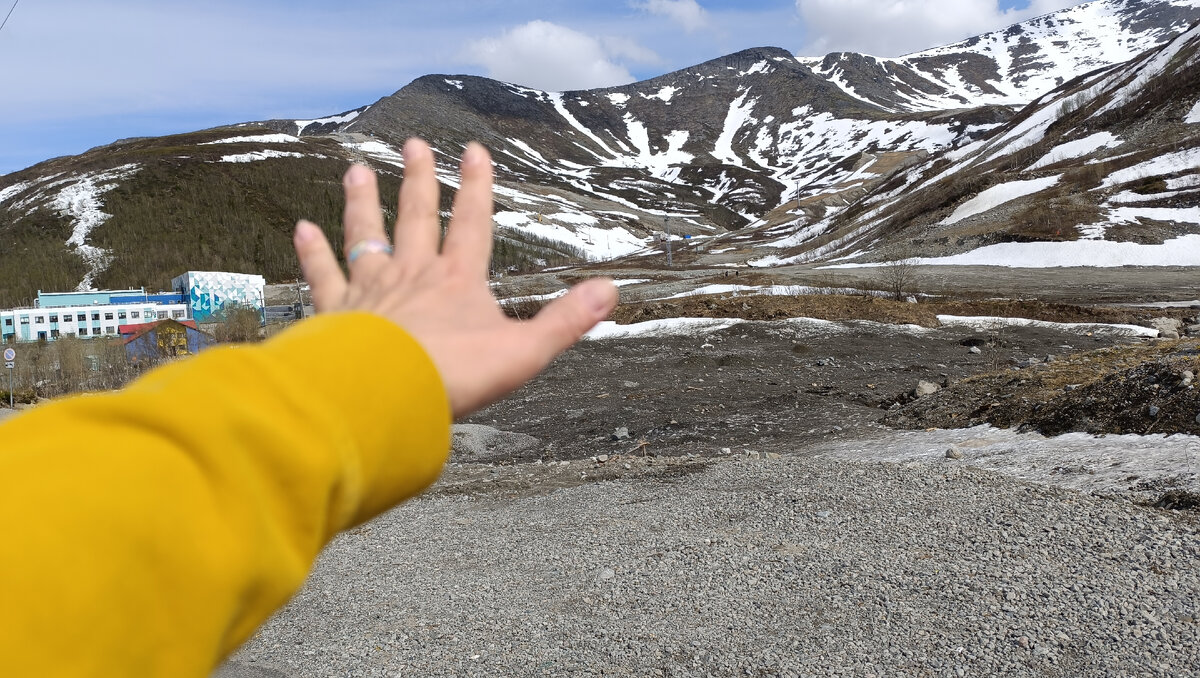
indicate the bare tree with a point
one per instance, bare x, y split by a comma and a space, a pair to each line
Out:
900, 277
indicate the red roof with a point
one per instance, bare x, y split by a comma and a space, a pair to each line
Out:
131, 332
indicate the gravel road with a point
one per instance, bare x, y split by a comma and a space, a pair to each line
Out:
737, 566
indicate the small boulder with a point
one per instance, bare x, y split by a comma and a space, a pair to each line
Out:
954, 453
1168, 328
925, 388
621, 433
975, 350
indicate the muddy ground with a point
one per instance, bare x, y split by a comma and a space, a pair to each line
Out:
772, 387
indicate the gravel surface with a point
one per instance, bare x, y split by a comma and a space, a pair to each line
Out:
740, 566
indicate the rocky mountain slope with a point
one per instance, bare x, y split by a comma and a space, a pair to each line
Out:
1104, 170
774, 147
1013, 66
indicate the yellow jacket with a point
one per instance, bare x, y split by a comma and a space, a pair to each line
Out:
149, 532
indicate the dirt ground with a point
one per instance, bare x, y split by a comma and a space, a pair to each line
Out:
770, 387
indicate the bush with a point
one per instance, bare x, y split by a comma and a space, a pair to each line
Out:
237, 325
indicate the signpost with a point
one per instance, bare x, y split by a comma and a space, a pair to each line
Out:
10, 357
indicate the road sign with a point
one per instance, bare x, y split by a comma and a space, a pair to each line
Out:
10, 365
9, 355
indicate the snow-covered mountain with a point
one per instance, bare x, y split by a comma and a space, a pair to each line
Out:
1102, 171
787, 151
1014, 66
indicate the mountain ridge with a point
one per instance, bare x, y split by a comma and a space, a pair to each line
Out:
754, 147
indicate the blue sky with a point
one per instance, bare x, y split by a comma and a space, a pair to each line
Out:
81, 73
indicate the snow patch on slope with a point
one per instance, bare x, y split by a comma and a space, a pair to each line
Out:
81, 202
584, 234
1077, 149
255, 139
1180, 161
347, 117
998, 195
253, 156
1181, 251
735, 119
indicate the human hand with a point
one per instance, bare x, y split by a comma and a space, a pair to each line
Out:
442, 299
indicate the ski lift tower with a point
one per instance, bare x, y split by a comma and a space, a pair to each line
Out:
667, 229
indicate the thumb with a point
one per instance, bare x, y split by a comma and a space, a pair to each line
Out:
560, 324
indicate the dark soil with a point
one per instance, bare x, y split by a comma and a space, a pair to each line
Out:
855, 307
1136, 389
768, 387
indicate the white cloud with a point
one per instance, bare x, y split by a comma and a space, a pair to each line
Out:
895, 27
630, 50
551, 57
686, 13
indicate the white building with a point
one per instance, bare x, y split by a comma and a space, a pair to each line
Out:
88, 314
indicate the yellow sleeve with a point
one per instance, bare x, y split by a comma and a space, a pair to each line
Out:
149, 532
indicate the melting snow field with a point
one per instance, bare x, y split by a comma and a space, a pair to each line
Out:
770, 290
1164, 164
81, 202
1078, 461
989, 323
998, 195
1077, 149
1181, 251
596, 242
660, 328
256, 139
301, 124
803, 329
254, 156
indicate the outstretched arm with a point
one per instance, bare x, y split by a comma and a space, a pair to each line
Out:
149, 532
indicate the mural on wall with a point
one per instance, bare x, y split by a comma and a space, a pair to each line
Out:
210, 292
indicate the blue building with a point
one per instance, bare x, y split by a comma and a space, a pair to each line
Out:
198, 295
209, 293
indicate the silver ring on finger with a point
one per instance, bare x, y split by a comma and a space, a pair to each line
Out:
367, 247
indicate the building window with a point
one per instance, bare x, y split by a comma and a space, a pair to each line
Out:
135, 314
162, 315
95, 316
39, 319
110, 330
41, 336
53, 334
24, 320
53, 317
95, 331
176, 314
8, 322
108, 316
82, 317
120, 315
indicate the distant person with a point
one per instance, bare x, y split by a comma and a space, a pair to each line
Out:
149, 532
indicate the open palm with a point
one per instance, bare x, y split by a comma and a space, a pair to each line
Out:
442, 297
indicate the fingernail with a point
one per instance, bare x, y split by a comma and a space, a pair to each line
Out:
598, 297
413, 149
357, 175
472, 155
306, 231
